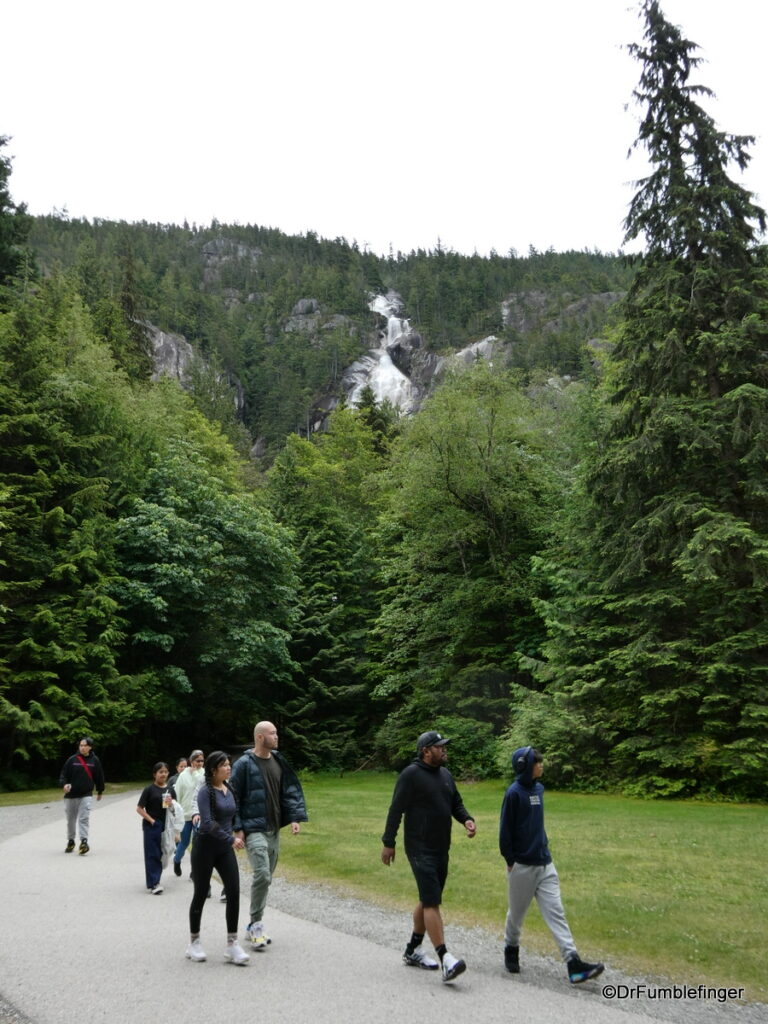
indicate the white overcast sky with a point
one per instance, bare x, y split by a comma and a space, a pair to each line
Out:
482, 123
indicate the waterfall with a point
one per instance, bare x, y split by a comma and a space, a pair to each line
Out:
376, 369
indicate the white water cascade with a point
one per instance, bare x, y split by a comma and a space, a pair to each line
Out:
376, 369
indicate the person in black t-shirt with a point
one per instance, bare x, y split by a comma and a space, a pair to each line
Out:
153, 803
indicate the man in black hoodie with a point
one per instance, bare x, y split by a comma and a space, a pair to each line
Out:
81, 774
530, 872
427, 795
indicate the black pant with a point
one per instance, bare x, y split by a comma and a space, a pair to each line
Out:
209, 853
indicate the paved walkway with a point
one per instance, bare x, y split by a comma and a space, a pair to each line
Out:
82, 940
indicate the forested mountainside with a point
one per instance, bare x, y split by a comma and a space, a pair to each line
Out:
285, 316
564, 543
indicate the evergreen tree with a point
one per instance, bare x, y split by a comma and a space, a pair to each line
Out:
323, 491
131, 345
659, 627
15, 224
468, 503
60, 626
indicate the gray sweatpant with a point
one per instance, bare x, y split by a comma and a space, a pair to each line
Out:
263, 849
526, 881
78, 812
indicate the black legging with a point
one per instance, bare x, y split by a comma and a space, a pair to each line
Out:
209, 853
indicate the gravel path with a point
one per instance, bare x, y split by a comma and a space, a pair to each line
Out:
353, 947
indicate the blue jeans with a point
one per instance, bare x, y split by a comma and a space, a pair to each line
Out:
183, 843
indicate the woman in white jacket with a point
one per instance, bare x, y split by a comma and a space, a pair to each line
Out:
187, 785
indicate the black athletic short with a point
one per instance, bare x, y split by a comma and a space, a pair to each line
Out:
430, 871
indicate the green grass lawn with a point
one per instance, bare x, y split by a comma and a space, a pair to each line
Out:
672, 889
45, 796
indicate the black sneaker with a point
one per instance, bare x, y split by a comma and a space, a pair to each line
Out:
579, 971
84, 847
512, 959
177, 869
70, 846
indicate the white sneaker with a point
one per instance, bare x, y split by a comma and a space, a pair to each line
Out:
257, 937
452, 967
419, 959
157, 890
195, 951
223, 897
236, 954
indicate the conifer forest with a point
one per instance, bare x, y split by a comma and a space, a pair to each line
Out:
565, 544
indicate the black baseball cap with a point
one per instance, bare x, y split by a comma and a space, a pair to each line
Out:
430, 739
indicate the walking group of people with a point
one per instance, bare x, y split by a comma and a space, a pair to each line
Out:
427, 798
220, 808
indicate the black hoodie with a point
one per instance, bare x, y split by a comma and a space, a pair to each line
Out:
429, 799
84, 774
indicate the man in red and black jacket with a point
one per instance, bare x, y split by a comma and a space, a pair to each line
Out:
81, 774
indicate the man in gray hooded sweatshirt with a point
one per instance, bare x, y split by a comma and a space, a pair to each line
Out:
530, 872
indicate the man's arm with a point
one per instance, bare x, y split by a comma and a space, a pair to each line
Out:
400, 801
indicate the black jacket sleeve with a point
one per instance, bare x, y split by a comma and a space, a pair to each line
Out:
400, 800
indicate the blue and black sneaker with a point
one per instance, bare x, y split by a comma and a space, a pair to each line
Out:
579, 971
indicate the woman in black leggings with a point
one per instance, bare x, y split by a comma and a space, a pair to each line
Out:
215, 847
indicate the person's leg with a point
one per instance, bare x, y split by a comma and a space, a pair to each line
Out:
431, 872
229, 871
273, 847
84, 817
153, 854
551, 906
433, 922
202, 867
183, 843
521, 883
258, 849
71, 807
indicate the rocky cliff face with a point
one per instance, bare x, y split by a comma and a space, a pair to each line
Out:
218, 252
538, 311
174, 357
172, 354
